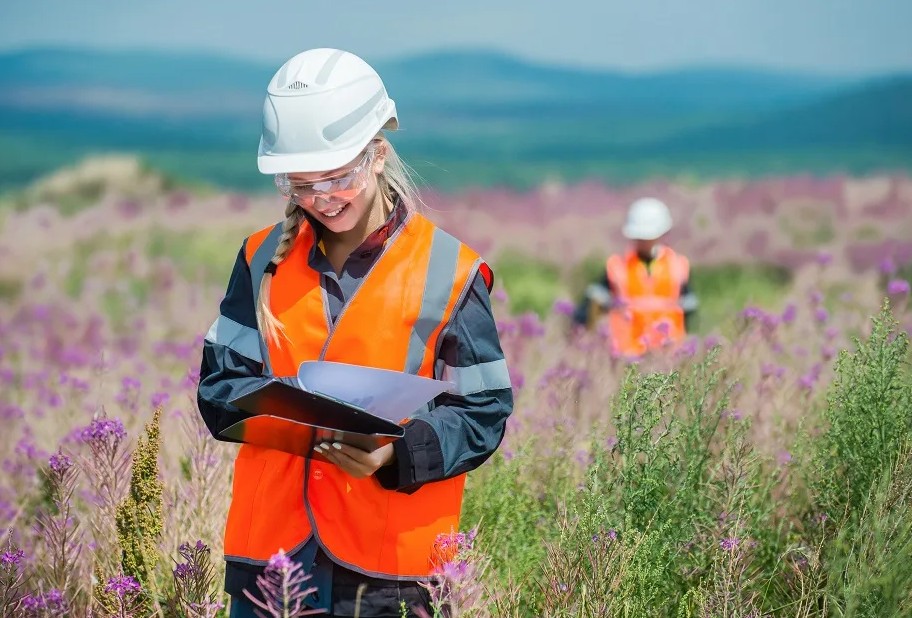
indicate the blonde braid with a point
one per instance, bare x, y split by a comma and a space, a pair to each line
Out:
269, 325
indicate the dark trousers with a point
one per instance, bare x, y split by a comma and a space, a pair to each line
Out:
244, 608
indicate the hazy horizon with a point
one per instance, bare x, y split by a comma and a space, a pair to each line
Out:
838, 37
720, 65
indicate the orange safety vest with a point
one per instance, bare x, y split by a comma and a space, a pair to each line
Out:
646, 312
393, 321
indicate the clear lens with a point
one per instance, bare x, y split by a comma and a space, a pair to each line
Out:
333, 190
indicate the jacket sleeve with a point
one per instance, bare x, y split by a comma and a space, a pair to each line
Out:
232, 361
687, 299
464, 428
597, 293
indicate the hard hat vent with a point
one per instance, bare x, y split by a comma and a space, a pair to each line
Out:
298, 85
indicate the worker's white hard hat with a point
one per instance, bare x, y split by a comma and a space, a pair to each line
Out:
322, 108
647, 219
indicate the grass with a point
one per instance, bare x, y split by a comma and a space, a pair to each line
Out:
724, 290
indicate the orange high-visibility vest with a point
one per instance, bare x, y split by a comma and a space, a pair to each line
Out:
393, 321
646, 312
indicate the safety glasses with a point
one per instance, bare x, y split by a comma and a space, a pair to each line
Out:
335, 189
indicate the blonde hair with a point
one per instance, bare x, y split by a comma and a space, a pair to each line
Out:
396, 179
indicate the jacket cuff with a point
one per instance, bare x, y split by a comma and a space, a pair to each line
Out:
419, 459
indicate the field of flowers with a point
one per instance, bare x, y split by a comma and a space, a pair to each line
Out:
762, 468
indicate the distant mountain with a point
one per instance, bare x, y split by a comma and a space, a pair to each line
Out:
486, 80
468, 117
149, 83
143, 84
876, 113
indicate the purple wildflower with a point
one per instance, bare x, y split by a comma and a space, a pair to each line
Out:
783, 457
12, 557
122, 585
821, 315
279, 562
789, 314
563, 306
729, 544
612, 534
37, 604
183, 571
710, 342
688, 349
455, 570
530, 325
100, 429
159, 399
60, 463
53, 597
887, 266
808, 380
130, 383
898, 287
752, 313
769, 321
824, 258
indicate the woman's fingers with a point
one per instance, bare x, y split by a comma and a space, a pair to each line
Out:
353, 460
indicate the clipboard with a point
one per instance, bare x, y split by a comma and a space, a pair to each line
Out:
363, 408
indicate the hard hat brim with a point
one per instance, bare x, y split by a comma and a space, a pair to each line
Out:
635, 233
306, 162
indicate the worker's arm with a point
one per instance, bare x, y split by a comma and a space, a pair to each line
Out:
597, 294
689, 304
464, 426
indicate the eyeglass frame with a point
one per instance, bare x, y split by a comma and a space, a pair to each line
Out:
288, 188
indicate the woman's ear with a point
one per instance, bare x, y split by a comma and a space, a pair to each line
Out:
379, 163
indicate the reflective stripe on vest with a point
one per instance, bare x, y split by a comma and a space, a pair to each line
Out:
647, 313
392, 321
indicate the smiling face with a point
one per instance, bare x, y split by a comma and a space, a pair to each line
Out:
345, 198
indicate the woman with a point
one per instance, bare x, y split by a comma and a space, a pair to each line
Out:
353, 274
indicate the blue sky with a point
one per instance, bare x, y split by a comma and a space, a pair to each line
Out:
856, 37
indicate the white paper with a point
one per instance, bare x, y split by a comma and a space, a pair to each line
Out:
392, 395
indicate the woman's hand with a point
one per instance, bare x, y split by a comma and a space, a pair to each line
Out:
359, 464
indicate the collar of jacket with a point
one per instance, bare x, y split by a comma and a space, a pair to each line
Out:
376, 238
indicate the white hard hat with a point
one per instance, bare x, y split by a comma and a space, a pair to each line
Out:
322, 108
647, 219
